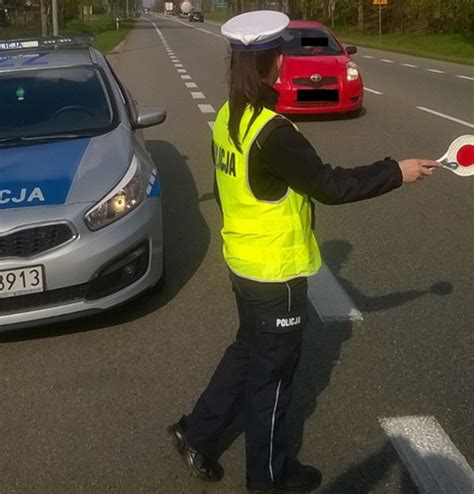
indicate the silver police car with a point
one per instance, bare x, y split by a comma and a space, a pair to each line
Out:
80, 206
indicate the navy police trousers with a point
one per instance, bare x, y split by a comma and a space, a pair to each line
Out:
255, 378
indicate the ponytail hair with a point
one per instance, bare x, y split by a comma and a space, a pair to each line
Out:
247, 71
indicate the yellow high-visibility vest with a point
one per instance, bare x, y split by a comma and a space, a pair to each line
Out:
263, 240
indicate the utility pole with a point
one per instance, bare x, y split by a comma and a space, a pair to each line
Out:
128, 11
44, 18
55, 17
361, 15
380, 23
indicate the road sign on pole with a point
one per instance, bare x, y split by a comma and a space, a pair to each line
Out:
380, 4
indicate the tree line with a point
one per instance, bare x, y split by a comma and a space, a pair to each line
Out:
402, 16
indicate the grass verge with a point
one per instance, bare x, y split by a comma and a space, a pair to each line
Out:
448, 47
102, 26
106, 34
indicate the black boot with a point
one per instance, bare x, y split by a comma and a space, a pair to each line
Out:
201, 466
295, 478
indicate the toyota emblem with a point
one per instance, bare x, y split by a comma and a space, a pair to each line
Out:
316, 78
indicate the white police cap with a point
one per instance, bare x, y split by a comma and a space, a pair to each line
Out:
256, 31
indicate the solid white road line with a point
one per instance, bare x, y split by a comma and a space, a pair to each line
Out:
207, 109
410, 65
198, 95
434, 462
330, 300
198, 28
186, 77
370, 57
465, 77
447, 117
436, 71
191, 85
373, 91
386, 61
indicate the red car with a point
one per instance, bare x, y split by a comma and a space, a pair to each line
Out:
318, 74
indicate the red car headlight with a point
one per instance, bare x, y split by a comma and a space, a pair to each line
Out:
352, 71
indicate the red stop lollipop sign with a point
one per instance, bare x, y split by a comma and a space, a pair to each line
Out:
465, 156
460, 156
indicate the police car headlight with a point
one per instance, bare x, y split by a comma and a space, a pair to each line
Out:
352, 72
123, 199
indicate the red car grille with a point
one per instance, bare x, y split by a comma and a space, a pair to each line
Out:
307, 81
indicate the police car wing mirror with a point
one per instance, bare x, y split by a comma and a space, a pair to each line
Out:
148, 117
351, 50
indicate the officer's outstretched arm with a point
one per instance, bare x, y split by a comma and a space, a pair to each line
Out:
292, 158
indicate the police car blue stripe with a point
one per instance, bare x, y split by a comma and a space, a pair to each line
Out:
155, 189
39, 175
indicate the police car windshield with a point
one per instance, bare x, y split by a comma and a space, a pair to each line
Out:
310, 42
52, 102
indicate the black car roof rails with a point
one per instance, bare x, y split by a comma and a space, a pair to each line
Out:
53, 42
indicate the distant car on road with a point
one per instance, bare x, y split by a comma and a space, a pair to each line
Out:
196, 16
318, 74
80, 206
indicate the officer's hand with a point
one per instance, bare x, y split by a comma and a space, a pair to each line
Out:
415, 169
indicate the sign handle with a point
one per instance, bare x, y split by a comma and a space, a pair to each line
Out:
380, 23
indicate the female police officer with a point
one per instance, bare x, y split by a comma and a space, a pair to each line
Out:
266, 173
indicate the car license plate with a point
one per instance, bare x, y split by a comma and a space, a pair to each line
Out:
21, 281
320, 95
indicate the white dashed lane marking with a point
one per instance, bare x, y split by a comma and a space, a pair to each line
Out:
211, 125
436, 71
370, 57
373, 91
386, 60
434, 462
206, 109
410, 65
465, 77
198, 95
447, 117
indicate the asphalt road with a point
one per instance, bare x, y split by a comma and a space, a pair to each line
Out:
85, 405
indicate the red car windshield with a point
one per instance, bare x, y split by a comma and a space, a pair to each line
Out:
303, 41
